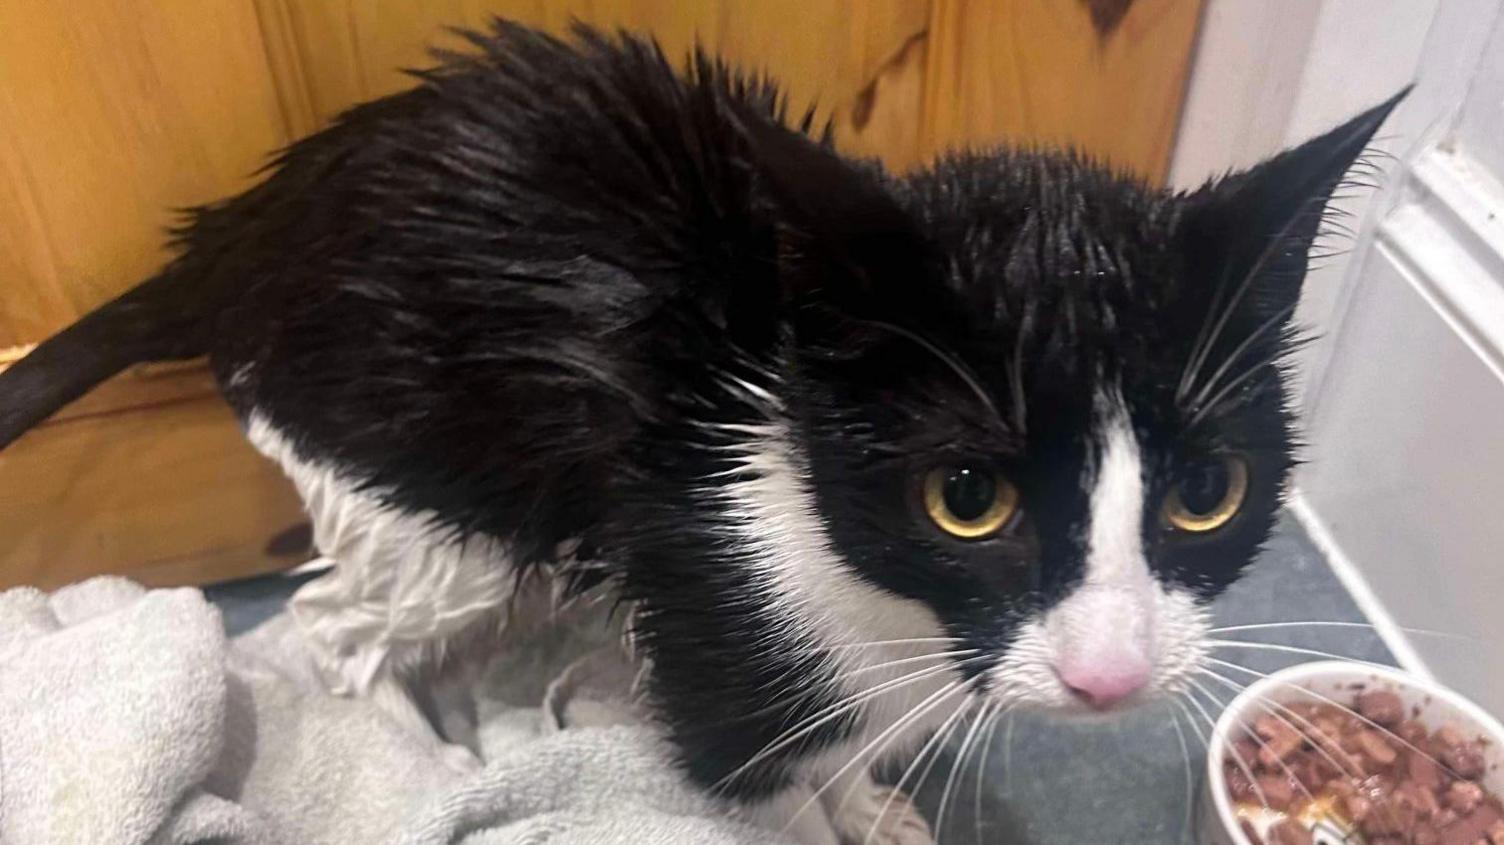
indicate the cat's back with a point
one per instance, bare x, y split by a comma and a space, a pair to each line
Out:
459, 293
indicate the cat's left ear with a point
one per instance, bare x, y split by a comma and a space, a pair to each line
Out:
1260, 224
844, 241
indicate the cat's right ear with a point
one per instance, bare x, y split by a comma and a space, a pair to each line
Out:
843, 240
1261, 224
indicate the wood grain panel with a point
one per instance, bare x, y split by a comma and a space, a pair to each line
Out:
171, 494
1045, 72
111, 115
827, 52
902, 80
113, 112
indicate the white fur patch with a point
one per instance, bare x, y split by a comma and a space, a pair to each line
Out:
401, 586
1120, 611
822, 603
1115, 545
1026, 674
775, 514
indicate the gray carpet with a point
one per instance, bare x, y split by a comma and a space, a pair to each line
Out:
1047, 782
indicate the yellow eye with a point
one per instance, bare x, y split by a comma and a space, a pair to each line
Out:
1207, 495
968, 501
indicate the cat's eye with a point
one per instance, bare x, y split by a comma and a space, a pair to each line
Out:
969, 501
1207, 494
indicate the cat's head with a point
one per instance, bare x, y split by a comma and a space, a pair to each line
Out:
1034, 410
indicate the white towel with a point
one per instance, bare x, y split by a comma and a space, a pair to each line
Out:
111, 706
590, 786
125, 717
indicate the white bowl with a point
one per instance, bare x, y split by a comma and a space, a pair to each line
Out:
1217, 823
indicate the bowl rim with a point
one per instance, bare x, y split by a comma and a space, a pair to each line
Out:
1325, 670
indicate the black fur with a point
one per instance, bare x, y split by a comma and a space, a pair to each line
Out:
529, 294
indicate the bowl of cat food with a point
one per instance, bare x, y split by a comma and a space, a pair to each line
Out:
1336, 753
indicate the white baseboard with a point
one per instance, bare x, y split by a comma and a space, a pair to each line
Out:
1352, 579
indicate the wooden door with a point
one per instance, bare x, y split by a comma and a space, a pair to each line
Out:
112, 114
115, 112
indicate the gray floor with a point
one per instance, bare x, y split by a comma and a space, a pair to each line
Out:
1054, 783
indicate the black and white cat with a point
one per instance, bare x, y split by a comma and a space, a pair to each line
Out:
860, 450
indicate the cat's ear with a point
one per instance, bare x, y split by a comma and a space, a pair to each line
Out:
843, 240
1259, 225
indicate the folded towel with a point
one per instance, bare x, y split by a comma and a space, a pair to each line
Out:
126, 717
580, 787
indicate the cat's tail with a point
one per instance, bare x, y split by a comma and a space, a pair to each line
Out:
154, 321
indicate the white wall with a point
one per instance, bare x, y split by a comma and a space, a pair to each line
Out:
1245, 75
1404, 396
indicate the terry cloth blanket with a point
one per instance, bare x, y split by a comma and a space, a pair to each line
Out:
127, 717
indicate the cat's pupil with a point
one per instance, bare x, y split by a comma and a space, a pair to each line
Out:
969, 493
1203, 486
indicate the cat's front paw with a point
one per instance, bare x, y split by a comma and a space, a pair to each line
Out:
875, 814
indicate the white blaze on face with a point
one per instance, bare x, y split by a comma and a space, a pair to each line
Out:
874, 638
1121, 630
772, 512
1104, 633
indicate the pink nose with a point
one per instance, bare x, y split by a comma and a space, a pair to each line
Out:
1102, 684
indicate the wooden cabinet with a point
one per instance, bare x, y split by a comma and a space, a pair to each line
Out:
115, 112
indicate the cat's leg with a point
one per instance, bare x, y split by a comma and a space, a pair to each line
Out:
392, 606
865, 812
795, 813
401, 591
395, 603
852, 810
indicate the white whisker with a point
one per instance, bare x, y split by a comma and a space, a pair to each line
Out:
976, 817
903, 661
1269, 706
877, 643
1282, 352
1185, 756
1292, 649
1355, 772
1335, 703
919, 711
1254, 735
1227, 629
823, 717
931, 748
1205, 343
1231, 748
1008, 752
1195, 728
959, 765
814, 681
1232, 357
